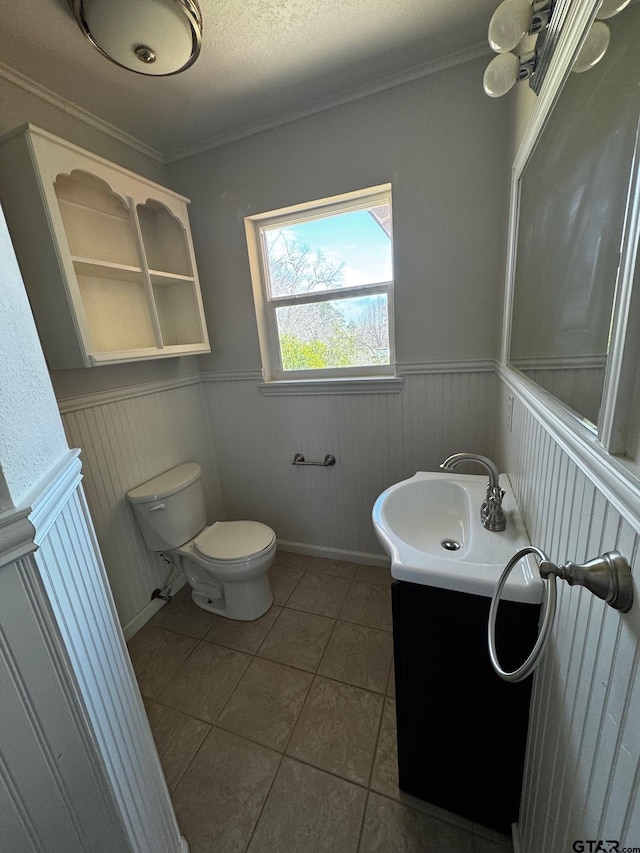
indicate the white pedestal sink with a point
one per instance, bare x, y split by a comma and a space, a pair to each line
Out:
420, 520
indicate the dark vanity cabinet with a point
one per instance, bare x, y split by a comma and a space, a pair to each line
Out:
461, 729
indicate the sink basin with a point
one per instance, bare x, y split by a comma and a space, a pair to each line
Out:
430, 527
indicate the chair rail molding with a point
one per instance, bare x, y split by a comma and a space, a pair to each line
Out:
16, 536
92, 399
616, 479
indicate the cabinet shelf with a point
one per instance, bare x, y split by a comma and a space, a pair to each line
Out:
107, 269
106, 255
157, 275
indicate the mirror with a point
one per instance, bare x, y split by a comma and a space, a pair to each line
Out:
573, 194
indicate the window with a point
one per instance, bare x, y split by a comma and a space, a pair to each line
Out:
322, 277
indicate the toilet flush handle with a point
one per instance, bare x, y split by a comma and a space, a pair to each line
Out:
155, 507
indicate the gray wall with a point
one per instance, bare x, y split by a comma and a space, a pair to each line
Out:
439, 141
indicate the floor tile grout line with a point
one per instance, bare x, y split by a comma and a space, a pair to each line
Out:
331, 773
295, 586
363, 819
324, 651
193, 757
217, 642
179, 666
340, 617
264, 802
377, 743
235, 687
302, 704
382, 696
178, 711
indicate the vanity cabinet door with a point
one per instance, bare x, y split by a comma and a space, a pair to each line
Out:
461, 730
106, 255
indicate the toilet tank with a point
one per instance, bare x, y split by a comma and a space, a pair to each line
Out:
170, 508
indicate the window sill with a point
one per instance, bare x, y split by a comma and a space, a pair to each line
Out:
354, 385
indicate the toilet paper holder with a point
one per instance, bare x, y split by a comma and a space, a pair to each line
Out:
329, 460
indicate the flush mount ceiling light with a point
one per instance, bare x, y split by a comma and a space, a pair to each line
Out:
155, 37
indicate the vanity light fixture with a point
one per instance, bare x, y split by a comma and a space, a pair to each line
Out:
153, 37
513, 21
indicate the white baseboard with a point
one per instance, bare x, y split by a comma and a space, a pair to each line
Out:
334, 553
142, 616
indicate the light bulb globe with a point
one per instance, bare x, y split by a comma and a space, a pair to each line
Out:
594, 47
501, 74
509, 24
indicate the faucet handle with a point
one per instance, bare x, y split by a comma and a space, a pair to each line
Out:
491, 512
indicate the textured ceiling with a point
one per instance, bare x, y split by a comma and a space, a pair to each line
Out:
262, 61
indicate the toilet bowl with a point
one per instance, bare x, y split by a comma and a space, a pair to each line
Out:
227, 568
225, 563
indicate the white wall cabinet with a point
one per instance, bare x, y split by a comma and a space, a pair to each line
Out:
106, 255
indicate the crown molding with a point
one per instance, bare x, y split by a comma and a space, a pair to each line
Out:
28, 85
416, 72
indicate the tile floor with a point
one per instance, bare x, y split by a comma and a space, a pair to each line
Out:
279, 734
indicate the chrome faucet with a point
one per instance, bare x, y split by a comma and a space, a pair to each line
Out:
491, 513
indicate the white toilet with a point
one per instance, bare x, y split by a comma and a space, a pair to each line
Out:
225, 563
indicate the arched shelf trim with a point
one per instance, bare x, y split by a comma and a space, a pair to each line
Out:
165, 238
83, 187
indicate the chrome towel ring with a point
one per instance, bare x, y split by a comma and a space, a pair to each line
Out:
608, 577
549, 611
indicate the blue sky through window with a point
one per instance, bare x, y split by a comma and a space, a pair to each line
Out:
356, 239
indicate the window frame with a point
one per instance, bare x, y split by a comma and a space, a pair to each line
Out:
266, 305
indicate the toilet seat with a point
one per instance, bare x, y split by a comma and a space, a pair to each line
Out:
232, 541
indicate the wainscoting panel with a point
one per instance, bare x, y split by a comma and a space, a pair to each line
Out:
53, 794
583, 762
72, 574
126, 440
377, 439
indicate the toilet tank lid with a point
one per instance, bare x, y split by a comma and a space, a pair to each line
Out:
165, 484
